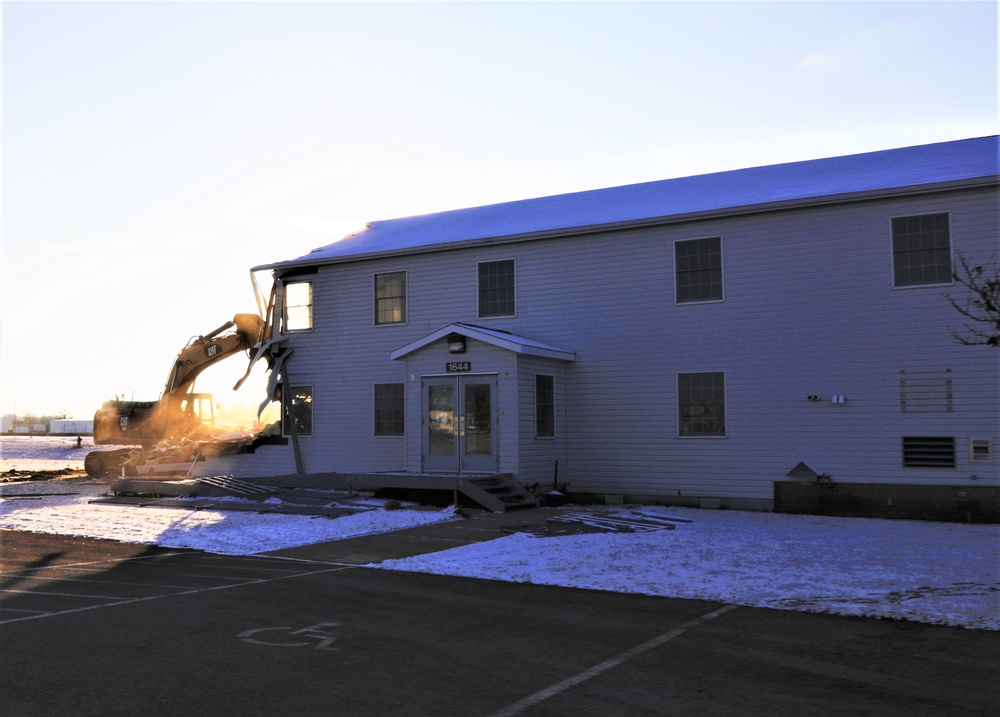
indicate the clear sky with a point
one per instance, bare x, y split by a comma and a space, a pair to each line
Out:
153, 152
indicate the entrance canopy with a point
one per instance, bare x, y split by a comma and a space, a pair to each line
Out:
495, 337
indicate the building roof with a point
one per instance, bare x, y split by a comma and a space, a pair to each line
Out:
494, 337
775, 186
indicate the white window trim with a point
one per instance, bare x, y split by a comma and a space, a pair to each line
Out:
989, 450
725, 404
284, 307
892, 253
496, 316
722, 270
386, 436
555, 407
406, 300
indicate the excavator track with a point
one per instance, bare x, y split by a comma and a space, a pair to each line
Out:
106, 464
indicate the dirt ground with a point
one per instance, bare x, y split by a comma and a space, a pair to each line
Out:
18, 476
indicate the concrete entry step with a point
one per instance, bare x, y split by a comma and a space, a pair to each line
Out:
498, 493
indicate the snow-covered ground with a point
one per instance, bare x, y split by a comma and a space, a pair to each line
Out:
939, 573
43, 453
942, 573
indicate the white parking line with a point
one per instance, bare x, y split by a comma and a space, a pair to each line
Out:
46, 579
130, 601
15, 591
559, 687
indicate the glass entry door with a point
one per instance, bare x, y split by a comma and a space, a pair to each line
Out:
459, 416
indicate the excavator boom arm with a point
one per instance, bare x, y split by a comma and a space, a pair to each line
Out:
204, 351
132, 422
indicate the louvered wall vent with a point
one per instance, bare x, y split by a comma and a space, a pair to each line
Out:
928, 452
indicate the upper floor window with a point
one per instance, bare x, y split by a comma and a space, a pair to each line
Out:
921, 250
297, 310
701, 403
698, 270
496, 288
390, 298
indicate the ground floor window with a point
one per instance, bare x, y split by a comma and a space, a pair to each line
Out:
299, 406
545, 406
389, 409
701, 404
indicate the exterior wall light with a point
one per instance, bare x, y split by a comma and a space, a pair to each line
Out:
456, 344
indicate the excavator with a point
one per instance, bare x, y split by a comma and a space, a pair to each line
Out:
179, 412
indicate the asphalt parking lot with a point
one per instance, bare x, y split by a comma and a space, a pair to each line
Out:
94, 627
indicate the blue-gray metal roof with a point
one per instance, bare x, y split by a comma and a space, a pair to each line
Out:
796, 182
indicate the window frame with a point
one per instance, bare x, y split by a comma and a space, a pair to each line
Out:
681, 433
480, 289
687, 272
287, 392
980, 450
285, 306
893, 252
549, 408
401, 408
376, 299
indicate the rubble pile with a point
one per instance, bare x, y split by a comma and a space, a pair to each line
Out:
176, 456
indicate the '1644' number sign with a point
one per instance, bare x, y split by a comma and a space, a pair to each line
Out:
458, 366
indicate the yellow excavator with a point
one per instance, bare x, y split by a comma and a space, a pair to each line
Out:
180, 412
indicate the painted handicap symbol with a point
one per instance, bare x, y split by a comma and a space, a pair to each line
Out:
319, 636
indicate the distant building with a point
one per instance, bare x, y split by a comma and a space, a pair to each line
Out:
71, 426
6, 424
709, 340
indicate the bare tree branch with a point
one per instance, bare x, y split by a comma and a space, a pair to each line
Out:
981, 304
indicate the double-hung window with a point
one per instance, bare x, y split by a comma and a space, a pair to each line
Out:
297, 309
698, 270
389, 409
496, 288
921, 250
390, 298
701, 404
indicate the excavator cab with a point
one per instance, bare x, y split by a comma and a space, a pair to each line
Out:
201, 406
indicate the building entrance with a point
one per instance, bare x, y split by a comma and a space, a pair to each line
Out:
458, 424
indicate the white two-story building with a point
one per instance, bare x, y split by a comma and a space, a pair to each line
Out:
708, 340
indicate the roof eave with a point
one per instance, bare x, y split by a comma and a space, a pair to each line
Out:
724, 212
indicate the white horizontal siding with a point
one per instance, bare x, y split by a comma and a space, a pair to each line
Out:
538, 456
809, 309
265, 461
